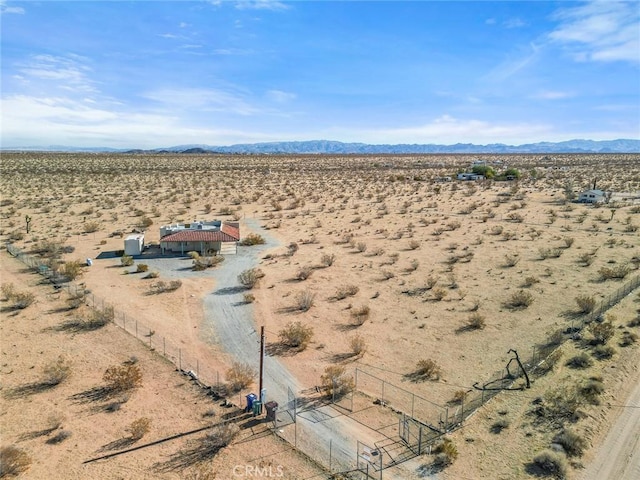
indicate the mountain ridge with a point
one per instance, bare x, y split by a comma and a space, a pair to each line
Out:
335, 147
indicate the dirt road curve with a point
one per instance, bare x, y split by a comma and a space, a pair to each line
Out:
618, 457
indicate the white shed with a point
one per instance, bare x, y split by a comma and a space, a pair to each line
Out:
134, 244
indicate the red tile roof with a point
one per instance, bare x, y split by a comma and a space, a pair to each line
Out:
231, 230
199, 236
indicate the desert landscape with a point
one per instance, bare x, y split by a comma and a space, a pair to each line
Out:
387, 288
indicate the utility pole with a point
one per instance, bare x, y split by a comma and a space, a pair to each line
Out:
261, 363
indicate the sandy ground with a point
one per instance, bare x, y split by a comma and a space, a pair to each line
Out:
391, 229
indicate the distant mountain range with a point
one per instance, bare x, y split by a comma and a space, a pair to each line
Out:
333, 147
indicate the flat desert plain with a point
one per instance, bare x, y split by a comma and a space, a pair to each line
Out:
387, 266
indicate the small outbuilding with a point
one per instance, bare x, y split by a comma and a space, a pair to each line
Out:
134, 244
592, 196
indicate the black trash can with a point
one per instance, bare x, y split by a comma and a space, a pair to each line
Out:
272, 408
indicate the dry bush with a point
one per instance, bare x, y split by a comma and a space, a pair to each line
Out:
221, 436
628, 338
586, 258
249, 298
21, 300
568, 241
72, 269
240, 375
519, 299
193, 255
346, 291
91, 227
428, 369
499, 425
126, 260
591, 389
8, 290
304, 300
414, 244
361, 247
139, 428
572, 443
439, 293
550, 463
511, 260
58, 371
601, 332
550, 362
549, 252
253, 239
530, 282
431, 282
120, 378
446, 453
303, 273
327, 259
603, 352
360, 314
249, 278
459, 397
586, 303
296, 335
335, 381
475, 322
13, 461
580, 361
358, 345
142, 267
614, 273
162, 286
209, 261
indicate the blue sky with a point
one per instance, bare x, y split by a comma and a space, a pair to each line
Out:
147, 74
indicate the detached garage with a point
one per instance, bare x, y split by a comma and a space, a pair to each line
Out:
134, 244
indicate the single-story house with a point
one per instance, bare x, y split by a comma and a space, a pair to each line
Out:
470, 176
592, 196
206, 238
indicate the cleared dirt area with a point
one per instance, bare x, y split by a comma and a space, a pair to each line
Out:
411, 267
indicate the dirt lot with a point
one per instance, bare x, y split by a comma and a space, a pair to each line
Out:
410, 267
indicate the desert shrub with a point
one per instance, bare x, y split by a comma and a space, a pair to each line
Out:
126, 260
193, 255
13, 461
549, 252
8, 290
145, 222
139, 428
142, 267
618, 272
591, 390
335, 381
91, 227
550, 463
496, 230
249, 298
586, 303
475, 322
603, 352
580, 361
22, 300
239, 376
346, 291
72, 269
249, 278
601, 332
568, 241
446, 453
361, 247
151, 275
59, 437
560, 404
58, 371
428, 369
628, 338
586, 258
458, 397
360, 314
253, 239
221, 436
120, 378
209, 261
499, 425
327, 259
431, 282
530, 281
304, 300
519, 299
296, 335
574, 445
358, 345
438, 293
550, 362
303, 273
511, 260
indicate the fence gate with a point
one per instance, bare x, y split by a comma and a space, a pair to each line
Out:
411, 433
369, 461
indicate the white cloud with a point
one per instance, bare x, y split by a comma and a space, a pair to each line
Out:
552, 95
203, 99
69, 73
600, 31
279, 96
261, 5
5, 9
232, 51
514, 65
514, 23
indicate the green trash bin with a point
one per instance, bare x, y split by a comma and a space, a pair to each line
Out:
257, 407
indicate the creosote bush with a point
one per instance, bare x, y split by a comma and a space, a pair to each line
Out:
327, 259
614, 273
126, 260
139, 428
58, 371
346, 291
240, 375
586, 303
249, 278
253, 239
296, 335
304, 300
601, 333
446, 453
208, 261
551, 464
13, 461
120, 378
580, 361
336, 382
572, 443
475, 322
519, 299
360, 314
358, 345
428, 369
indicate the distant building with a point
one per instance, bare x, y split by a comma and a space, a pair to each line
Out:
592, 196
207, 238
470, 177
